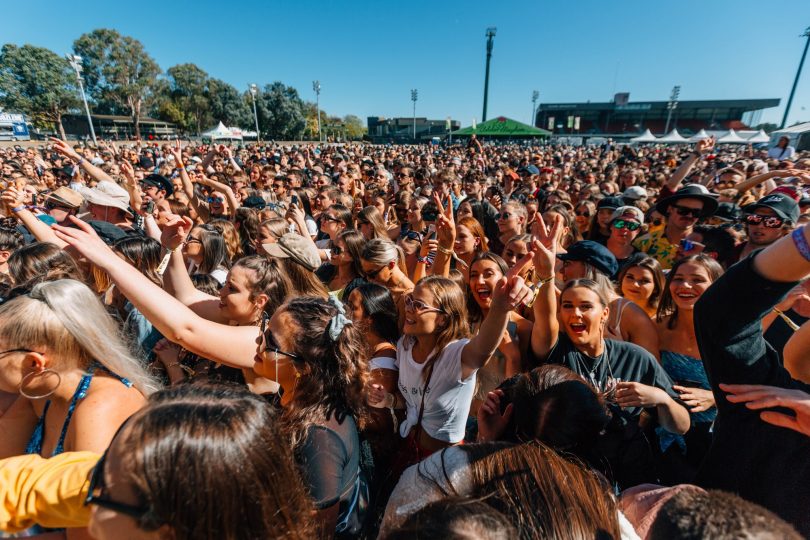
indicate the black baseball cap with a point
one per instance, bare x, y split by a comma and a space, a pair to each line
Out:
727, 211
782, 204
610, 202
593, 253
160, 182
254, 202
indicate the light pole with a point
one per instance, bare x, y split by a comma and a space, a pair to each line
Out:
490, 35
414, 96
316, 86
672, 105
76, 64
796, 80
254, 91
535, 96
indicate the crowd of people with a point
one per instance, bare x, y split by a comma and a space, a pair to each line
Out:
207, 341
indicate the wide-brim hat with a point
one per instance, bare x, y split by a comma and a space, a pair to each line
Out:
108, 194
692, 191
296, 247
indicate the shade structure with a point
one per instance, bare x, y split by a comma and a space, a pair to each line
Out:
699, 136
647, 136
673, 137
502, 127
220, 133
731, 138
759, 137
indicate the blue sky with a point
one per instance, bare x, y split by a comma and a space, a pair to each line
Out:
368, 55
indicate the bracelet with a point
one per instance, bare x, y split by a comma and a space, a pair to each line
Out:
19, 209
444, 250
543, 281
81, 160
801, 243
187, 370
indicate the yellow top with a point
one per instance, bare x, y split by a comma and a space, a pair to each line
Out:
48, 492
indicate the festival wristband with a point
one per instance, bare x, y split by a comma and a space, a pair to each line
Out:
801, 243
19, 209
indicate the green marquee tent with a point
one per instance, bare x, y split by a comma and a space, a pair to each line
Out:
502, 127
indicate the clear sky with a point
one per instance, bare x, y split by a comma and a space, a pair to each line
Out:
368, 55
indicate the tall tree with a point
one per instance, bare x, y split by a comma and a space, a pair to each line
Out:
354, 127
120, 74
228, 105
189, 91
281, 112
37, 82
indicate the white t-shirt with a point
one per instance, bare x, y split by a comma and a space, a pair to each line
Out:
782, 153
448, 399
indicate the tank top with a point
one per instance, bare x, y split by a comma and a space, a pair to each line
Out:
613, 328
35, 443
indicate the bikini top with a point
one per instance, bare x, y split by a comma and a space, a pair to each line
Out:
35, 443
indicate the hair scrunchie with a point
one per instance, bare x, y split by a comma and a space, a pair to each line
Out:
339, 320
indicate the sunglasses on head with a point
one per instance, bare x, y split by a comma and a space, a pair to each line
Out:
771, 222
624, 224
686, 211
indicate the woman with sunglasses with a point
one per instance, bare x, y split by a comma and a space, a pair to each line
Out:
371, 223
438, 362
686, 282
383, 263
206, 253
334, 220
625, 225
318, 357
583, 212
511, 221
343, 272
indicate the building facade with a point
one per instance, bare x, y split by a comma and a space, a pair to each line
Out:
400, 130
622, 118
108, 126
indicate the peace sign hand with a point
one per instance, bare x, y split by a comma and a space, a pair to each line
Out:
445, 224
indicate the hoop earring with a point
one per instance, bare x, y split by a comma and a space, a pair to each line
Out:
33, 374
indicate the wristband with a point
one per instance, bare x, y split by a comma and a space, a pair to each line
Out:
444, 250
801, 243
541, 282
81, 159
19, 209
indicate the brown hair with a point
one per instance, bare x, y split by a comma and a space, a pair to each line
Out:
196, 448
233, 243
267, 278
667, 306
544, 495
372, 216
477, 230
40, 262
640, 260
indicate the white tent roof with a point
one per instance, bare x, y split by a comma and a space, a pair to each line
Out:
731, 138
699, 136
759, 137
221, 132
673, 137
647, 136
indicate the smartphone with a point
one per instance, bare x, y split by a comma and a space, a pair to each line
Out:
294, 199
431, 232
149, 207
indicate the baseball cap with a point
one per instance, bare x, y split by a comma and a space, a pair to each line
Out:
727, 211
634, 193
160, 182
296, 247
628, 212
593, 253
254, 202
610, 202
782, 204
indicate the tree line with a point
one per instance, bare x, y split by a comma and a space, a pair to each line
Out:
121, 78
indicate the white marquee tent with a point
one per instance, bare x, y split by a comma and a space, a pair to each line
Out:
647, 136
699, 136
221, 133
673, 137
759, 137
731, 138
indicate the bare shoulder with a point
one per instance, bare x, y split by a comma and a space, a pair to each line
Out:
99, 415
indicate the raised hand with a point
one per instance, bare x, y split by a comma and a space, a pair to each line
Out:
445, 224
491, 423
175, 230
13, 197
704, 146
765, 397
85, 240
544, 247
510, 293
128, 171
177, 152
61, 147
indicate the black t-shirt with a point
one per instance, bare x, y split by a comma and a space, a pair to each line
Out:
761, 462
329, 460
620, 360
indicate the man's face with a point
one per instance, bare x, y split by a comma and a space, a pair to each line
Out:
684, 213
344, 184
151, 192
764, 227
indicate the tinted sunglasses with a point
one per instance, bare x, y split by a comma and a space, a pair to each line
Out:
584, 213
629, 225
771, 222
375, 273
336, 251
215, 199
413, 235
685, 211
96, 496
505, 215
270, 344
419, 306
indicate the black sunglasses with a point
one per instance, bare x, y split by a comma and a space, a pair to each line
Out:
337, 251
413, 235
684, 211
270, 341
95, 494
375, 273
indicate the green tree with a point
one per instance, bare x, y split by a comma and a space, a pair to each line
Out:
354, 127
189, 91
228, 105
37, 82
281, 112
119, 73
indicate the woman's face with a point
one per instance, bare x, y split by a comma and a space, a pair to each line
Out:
509, 221
107, 524
688, 284
484, 276
366, 229
338, 256
236, 301
217, 203
638, 285
582, 217
464, 210
265, 237
424, 321
573, 270
466, 242
193, 248
331, 225
582, 315
514, 251
603, 216
13, 367
355, 305
281, 331
414, 214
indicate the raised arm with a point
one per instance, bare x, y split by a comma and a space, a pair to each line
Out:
446, 236
546, 328
231, 345
64, 148
701, 148
42, 232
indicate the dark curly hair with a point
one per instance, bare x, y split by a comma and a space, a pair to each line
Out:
333, 373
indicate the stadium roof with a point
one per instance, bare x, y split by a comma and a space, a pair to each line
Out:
502, 127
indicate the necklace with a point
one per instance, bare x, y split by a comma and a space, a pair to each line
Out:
598, 385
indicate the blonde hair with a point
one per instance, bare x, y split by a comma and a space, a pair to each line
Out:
381, 251
66, 318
